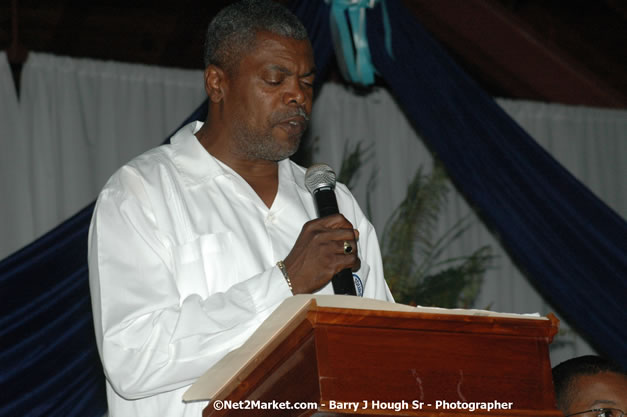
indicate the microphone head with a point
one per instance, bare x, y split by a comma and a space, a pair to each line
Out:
319, 176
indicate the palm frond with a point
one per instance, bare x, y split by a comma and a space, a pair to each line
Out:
413, 261
352, 163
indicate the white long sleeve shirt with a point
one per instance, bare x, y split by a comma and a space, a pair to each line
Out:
182, 268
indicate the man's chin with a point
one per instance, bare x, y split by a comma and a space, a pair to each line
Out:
287, 151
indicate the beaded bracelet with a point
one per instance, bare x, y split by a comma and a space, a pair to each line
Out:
281, 266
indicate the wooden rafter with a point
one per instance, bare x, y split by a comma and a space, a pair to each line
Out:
506, 50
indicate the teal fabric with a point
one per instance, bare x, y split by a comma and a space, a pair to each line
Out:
351, 43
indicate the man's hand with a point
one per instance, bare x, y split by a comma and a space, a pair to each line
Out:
318, 253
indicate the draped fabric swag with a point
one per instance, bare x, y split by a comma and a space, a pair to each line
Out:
570, 244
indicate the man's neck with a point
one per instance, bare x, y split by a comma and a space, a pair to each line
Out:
261, 175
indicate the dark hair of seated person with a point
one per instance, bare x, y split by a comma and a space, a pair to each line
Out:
567, 383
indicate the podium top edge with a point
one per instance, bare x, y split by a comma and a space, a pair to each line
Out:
358, 303
225, 374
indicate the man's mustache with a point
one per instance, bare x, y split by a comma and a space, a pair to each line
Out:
302, 112
292, 113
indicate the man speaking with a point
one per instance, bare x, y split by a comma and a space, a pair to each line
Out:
193, 244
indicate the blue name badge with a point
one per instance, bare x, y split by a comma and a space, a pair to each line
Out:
359, 286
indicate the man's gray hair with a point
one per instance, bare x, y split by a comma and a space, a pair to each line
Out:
232, 31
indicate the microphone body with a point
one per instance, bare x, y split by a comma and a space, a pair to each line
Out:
320, 181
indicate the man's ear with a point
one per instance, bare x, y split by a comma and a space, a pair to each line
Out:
215, 79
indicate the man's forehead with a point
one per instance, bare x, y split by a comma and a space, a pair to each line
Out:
287, 71
277, 50
603, 389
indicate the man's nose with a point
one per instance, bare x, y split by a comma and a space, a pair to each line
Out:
296, 94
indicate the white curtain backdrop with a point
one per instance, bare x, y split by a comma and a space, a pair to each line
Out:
16, 214
78, 120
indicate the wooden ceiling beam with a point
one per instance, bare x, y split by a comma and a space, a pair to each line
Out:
507, 52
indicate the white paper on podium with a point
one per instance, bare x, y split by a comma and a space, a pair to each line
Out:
237, 364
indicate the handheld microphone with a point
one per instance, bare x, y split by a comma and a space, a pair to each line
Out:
320, 181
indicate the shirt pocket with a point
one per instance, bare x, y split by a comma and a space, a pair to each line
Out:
205, 265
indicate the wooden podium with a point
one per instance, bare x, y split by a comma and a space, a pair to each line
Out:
371, 360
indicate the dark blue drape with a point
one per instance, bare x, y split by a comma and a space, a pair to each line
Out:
48, 360
49, 364
571, 245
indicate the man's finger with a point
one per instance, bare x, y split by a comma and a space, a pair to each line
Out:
336, 221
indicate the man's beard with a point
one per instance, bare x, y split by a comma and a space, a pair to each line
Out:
262, 145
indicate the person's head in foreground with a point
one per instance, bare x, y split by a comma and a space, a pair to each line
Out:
590, 386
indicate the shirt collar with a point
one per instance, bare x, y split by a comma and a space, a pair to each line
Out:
192, 160
197, 165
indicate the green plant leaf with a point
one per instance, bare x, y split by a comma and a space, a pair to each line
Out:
412, 254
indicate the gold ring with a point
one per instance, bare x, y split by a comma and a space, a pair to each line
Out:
348, 248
